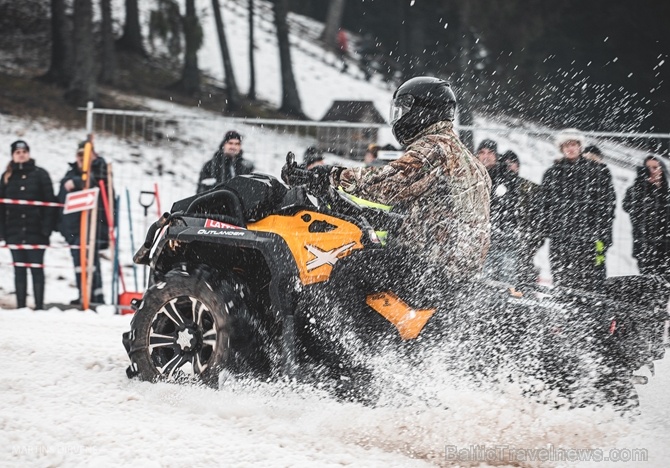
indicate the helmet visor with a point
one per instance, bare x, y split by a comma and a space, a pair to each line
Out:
400, 106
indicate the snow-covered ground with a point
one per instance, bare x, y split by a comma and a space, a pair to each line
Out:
65, 399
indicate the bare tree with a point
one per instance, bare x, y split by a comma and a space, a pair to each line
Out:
252, 65
60, 69
333, 22
290, 98
108, 70
83, 86
190, 77
234, 102
131, 40
467, 78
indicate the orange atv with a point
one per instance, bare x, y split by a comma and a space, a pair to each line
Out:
240, 284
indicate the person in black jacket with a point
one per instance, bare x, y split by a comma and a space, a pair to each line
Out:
70, 224
227, 163
26, 224
501, 260
527, 240
647, 202
577, 202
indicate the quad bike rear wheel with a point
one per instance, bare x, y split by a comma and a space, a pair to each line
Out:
184, 327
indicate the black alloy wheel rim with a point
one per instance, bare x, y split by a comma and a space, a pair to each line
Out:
182, 338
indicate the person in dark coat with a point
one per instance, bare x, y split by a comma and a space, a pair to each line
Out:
227, 163
501, 260
513, 242
647, 202
577, 202
70, 224
26, 224
523, 216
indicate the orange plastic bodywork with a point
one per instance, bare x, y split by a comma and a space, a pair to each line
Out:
314, 252
408, 321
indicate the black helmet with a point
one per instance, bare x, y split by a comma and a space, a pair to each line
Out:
419, 103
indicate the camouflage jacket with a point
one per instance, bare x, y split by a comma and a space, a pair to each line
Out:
445, 194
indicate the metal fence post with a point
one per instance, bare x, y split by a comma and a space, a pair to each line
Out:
89, 117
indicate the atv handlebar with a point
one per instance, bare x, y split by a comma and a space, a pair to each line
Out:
333, 199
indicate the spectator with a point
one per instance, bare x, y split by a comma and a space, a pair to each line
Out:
26, 224
342, 49
313, 157
501, 261
594, 154
647, 202
227, 163
577, 203
487, 153
70, 224
366, 50
528, 239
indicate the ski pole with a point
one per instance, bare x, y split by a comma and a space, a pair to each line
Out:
158, 201
146, 203
132, 239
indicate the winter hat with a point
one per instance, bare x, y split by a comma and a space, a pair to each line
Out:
593, 149
569, 134
509, 157
231, 135
80, 147
488, 144
312, 155
20, 144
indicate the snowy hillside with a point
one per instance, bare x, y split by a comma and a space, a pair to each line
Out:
65, 399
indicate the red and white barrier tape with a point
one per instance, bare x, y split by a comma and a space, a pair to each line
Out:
36, 246
27, 265
36, 265
11, 201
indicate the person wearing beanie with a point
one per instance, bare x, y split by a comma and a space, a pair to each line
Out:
577, 202
647, 202
226, 163
26, 224
521, 216
487, 153
70, 224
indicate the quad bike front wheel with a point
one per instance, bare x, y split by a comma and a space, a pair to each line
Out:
183, 328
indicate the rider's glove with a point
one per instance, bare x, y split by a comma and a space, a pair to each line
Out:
320, 178
294, 175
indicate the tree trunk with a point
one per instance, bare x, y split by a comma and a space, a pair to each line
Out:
333, 22
290, 98
83, 86
252, 66
60, 70
190, 77
467, 78
131, 40
416, 36
108, 72
234, 102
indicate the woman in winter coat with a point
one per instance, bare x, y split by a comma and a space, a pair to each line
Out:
27, 224
647, 202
